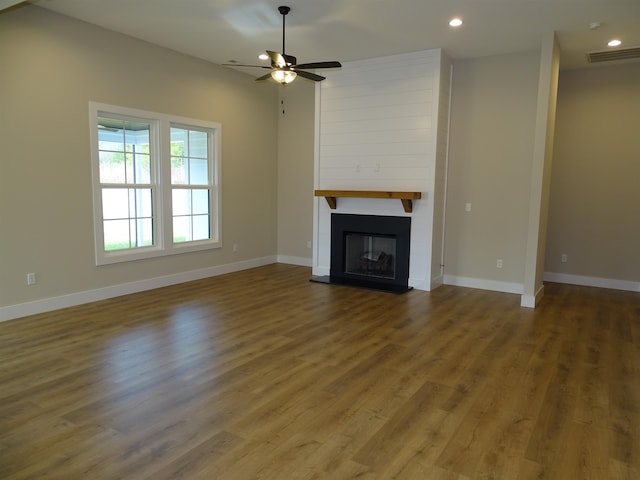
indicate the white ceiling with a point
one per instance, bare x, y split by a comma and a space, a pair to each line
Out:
317, 30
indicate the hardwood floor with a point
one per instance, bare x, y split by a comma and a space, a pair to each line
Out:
263, 374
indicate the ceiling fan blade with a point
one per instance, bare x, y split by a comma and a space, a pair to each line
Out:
242, 65
313, 65
309, 75
279, 60
264, 77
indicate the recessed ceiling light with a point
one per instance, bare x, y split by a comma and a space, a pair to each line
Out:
615, 43
455, 22
263, 56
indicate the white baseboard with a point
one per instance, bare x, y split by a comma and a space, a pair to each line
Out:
531, 301
484, 284
592, 281
321, 271
54, 303
425, 284
300, 261
419, 284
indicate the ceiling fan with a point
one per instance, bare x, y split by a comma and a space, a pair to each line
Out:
284, 68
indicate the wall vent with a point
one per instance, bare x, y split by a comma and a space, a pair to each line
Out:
612, 55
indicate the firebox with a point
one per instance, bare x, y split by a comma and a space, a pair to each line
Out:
370, 251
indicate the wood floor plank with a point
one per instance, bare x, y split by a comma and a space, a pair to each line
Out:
195, 462
403, 428
261, 374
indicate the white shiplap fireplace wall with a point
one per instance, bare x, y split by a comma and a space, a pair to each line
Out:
381, 124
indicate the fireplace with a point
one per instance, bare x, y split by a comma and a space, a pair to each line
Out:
370, 251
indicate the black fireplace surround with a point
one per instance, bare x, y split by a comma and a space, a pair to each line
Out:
370, 251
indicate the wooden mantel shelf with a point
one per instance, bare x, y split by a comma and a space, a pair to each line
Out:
405, 197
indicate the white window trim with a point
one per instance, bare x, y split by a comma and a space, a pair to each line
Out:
163, 226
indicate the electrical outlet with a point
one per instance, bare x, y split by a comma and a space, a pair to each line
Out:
564, 258
235, 247
467, 207
31, 278
309, 244
499, 263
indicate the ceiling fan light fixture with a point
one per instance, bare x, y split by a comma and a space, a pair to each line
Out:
284, 76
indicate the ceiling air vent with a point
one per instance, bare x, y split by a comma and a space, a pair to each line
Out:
612, 55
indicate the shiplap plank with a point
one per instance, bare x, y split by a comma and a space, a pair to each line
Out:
389, 112
376, 125
397, 136
378, 100
374, 161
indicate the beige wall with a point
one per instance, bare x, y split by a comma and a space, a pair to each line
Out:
51, 67
594, 213
295, 171
491, 147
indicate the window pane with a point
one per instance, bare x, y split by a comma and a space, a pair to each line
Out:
110, 141
143, 165
116, 234
198, 144
181, 229
140, 135
181, 202
179, 137
178, 170
140, 202
144, 232
200, 202
198, 172
178, 143
128, 162
138, 168
115, 203
111, 167
141, 232
200, 227
136, 136
110, 134
143, 202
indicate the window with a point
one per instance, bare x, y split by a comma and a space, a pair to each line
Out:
190, 184
155, 184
